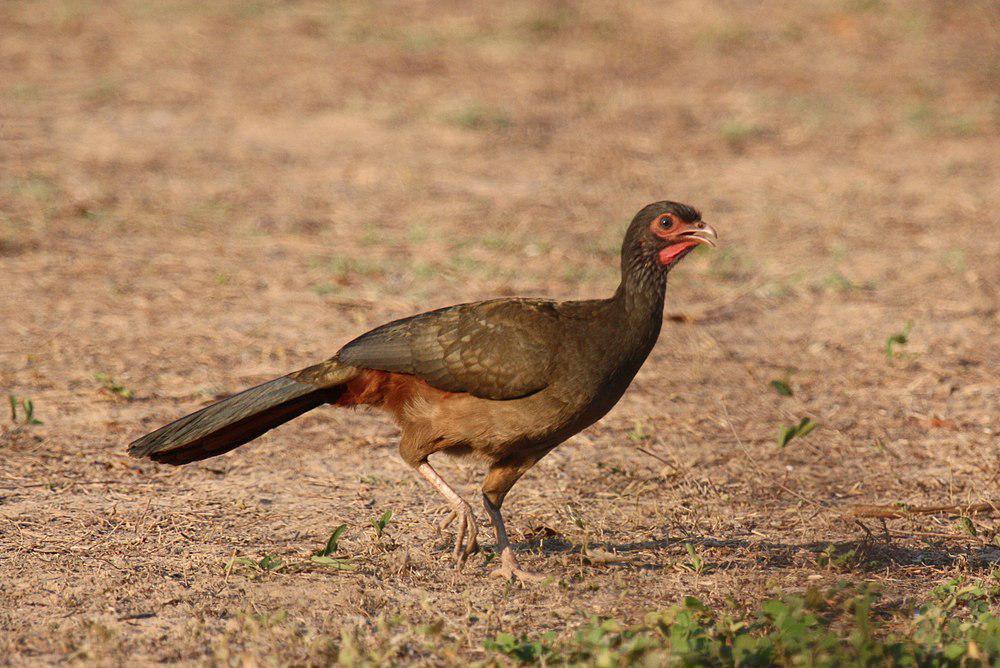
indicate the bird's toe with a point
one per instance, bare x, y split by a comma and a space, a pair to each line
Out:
466, 542
510, 568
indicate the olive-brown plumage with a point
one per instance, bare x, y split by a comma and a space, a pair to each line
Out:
504, 380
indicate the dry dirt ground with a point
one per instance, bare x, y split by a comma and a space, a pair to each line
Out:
196, 196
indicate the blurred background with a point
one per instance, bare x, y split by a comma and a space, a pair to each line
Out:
195, 196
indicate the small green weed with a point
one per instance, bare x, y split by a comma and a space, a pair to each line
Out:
835, 559
268, 562
333, 542
695, 563
380, 523
322, 557
638, 432
27, 407
838, 282
968, 526
336, 563
900, 338
112, 386
782, 387
789, 431
521, 649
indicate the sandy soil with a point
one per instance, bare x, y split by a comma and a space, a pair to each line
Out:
196, 196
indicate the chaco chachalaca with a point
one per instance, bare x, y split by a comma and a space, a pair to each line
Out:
504, 380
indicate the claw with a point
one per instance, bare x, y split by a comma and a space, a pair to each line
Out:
465, 542
510, 568
444, 523
460, 538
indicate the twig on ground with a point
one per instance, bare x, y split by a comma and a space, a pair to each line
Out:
658, 458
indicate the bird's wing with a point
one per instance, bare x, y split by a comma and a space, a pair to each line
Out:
500, 349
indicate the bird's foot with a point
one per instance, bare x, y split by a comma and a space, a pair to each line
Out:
465, 541
446, 522
510, 568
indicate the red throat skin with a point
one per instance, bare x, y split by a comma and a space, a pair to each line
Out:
669, 254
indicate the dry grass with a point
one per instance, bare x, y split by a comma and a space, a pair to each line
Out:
197, 196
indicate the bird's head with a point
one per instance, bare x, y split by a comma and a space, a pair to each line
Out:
664, 232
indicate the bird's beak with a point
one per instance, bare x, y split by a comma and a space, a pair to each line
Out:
699, 232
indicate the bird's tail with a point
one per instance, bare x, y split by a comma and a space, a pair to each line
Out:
238, 419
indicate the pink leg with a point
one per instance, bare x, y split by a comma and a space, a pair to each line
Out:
465, 543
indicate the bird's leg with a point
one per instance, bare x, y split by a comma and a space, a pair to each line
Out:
465, 543
498, 482
509, 566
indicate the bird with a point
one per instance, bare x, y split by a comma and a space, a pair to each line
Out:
502, 381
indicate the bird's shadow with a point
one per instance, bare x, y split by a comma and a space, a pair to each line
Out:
865, 554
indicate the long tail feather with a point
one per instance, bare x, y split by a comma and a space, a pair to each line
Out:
236, 420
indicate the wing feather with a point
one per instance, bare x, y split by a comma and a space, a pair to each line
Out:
501, 349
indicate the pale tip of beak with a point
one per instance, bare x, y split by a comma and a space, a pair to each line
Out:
706, 235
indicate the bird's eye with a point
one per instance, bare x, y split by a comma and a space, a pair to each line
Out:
666, 222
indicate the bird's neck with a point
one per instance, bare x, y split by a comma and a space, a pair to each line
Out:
639, 300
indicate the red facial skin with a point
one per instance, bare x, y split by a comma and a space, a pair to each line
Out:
671, 254
674, 234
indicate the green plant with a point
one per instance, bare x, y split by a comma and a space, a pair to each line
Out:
638, 432
831, 627
521, 649
323, 558
381, 523
695, 563
789, 431
781, 387
27, 406
837, 559
337, 563
959, 624
109, 384
269, 562
900, 338
968, 526
838, 282
332, 543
